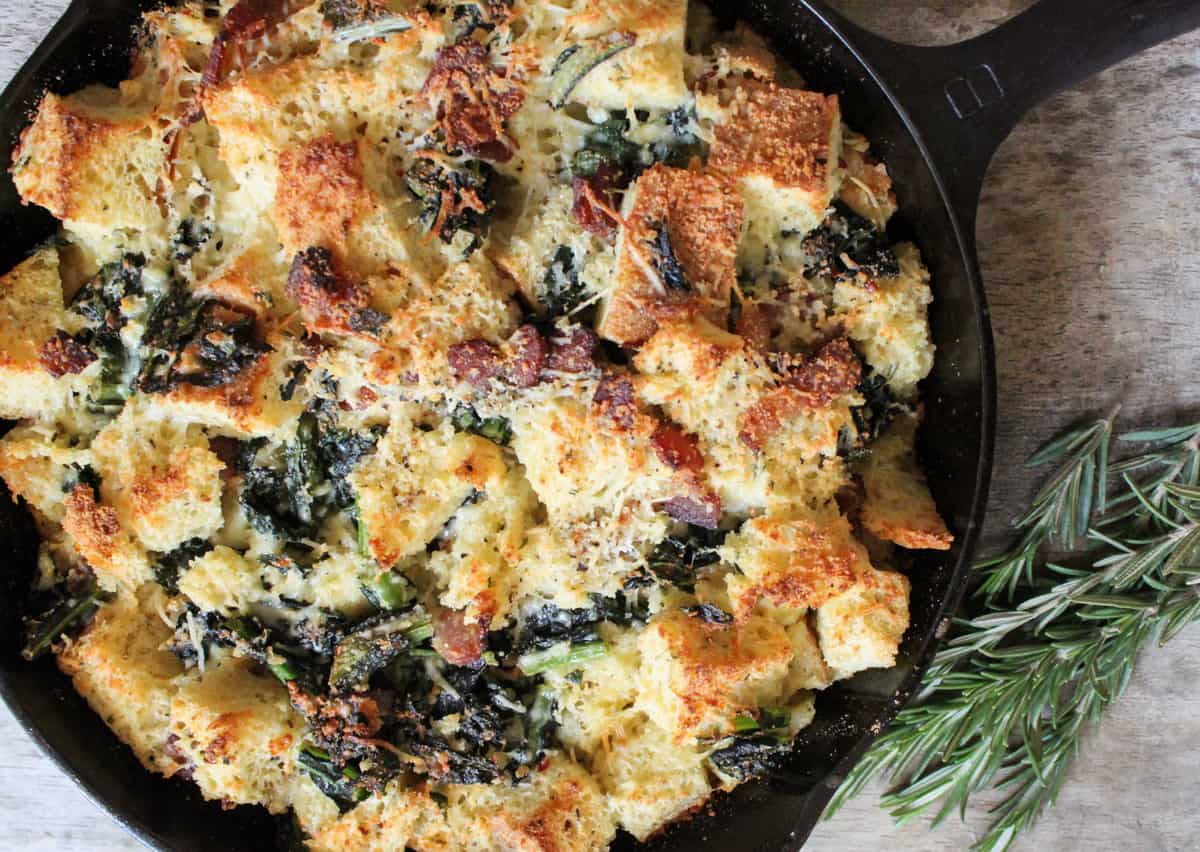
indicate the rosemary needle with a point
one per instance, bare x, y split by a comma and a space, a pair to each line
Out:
1050, 644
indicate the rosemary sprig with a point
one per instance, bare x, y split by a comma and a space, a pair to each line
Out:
1052, 643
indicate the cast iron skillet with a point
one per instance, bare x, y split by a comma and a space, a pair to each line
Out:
936, 115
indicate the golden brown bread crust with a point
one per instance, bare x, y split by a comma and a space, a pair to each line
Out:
793, 563
320, 195
702, 216
898, 506
99, 538
778, 133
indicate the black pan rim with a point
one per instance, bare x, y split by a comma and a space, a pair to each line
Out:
821, 792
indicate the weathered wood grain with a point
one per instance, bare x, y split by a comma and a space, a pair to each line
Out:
1089, 237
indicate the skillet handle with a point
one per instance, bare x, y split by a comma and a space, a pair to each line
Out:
966, 98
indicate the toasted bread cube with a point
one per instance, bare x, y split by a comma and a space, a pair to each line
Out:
889, 322
477, 572
397, 818
586, 468
259, 114
319, 195
322, 198
698, 677
861, 628
560, 808
163, 480
708, 381
795, 561
31, 311
36, 462
414, 483
314, 812
95, 529
551, 568
89, 158
646, 75
649, 778
898, 506
118, 666
808, 669
594, 707
782, 147
239, 732
223, 580
695, 216
277, 106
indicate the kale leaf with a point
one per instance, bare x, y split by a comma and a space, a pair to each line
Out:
104, 302
562, 291
169, 566
847, 246
495, 429
666, 262
746, 757
678, 560
283, 490
453, 200
201, 342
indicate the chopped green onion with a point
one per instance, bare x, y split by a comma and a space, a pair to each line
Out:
391, 590
560, 655
420, 632
314, 751
364, 540
282, 671
745, 724
60, 620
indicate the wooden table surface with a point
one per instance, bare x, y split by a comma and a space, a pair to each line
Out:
1089, 236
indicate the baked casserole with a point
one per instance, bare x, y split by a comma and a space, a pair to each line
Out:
464, 425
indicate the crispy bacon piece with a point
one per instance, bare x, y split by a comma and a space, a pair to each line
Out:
246, 21
754, 325
697, 504
327, 300
807, 383
572, 350
63, 354
474, 98
520, 363
475, 362
833, 371
594, 199
677, 449
526, 351
614, 399
460, 643
702, 509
